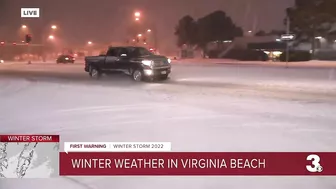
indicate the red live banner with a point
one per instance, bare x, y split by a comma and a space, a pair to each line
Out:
29, 138
197, 163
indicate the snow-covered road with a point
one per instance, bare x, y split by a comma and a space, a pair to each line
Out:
298, 78
193, 114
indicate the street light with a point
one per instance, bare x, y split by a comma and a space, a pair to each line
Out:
24, 26
89, 42
137, 14
139, 35
51, 37
149, 30
53, 27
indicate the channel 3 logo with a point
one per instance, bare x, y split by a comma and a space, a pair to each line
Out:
315, 165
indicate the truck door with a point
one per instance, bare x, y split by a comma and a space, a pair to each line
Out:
111, 59
123, 59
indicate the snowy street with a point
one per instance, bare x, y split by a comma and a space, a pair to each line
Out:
201, 108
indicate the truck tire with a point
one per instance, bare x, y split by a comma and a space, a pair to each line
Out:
137, 75
95, 73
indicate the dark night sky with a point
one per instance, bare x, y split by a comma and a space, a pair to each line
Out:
106, 20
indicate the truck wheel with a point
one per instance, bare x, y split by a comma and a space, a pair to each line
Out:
95, 73
137, 75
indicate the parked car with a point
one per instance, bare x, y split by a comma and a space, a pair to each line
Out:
65, 59
138, 62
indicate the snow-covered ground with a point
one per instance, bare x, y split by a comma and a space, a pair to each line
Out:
201, 61
188, 113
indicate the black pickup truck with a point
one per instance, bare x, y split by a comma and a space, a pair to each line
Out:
138, 62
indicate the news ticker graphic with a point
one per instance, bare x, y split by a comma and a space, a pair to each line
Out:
38, 156
198, 163
29, 138
117, 147
29, 156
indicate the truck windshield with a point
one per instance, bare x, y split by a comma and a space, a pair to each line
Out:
139, 51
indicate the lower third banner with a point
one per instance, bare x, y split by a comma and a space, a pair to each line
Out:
197, 163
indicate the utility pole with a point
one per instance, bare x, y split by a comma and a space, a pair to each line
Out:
287, 42
155, 37
29, 51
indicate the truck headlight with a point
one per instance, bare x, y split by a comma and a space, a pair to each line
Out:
148, 72
147, 62
168, 60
